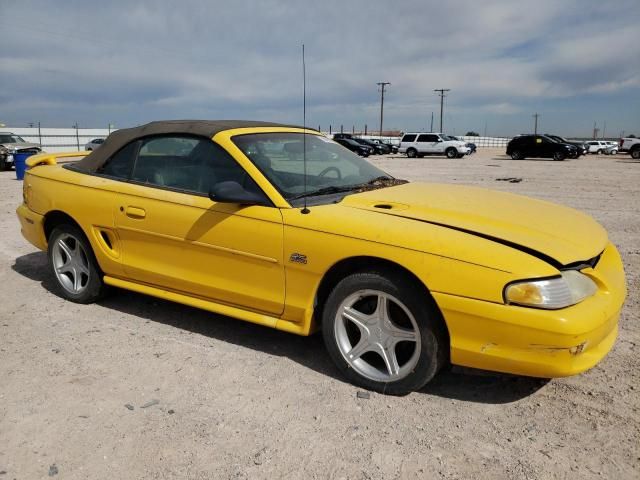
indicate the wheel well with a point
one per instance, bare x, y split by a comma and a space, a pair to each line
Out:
352, 265
55, 218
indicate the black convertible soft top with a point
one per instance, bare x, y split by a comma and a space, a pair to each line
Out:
200, 128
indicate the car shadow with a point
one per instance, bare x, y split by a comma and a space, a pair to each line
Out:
452, 383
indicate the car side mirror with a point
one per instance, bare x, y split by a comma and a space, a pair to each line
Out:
439, 140
233, 192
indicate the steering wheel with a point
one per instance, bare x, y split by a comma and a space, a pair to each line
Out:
329, 169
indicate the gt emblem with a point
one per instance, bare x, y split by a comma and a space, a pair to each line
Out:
298, 258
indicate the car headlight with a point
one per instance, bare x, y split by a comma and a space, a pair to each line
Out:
569, 288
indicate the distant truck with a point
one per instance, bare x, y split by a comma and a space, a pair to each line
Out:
630, 145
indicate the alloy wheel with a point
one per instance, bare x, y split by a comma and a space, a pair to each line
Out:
71, 264
377, 335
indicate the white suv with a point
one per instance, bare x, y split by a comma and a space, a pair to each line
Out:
421, 144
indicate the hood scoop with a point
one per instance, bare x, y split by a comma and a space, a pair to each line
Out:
389, 206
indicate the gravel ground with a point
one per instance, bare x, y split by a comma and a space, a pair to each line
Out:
135, 387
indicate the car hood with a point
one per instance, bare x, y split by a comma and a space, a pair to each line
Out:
553, 232
20, 145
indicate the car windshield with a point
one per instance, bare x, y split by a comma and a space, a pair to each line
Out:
4, 138
449, 138
330, 167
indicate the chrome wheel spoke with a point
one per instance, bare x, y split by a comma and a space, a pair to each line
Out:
361, 348
70, 253
77, 280
401, 334
382, 309
390, 360
359, 318
66, 268
82, 268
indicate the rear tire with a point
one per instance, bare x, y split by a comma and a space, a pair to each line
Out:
383, 332
74, 266
412, 153
635, 154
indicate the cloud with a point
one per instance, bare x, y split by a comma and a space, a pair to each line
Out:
132, 62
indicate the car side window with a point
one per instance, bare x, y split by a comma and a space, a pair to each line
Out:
409, 138
424, 138
187, 164
120, 164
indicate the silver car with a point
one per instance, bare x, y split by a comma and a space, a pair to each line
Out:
93, 144
10, 144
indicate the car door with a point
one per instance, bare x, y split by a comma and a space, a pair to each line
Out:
174, 237
427, 143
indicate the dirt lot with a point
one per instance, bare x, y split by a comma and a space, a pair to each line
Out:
226, 399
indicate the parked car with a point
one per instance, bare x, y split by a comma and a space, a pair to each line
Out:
93, 144
583, 149
421, 144
392, 148
539, 146
472, 146
612, 148
401, 278
378, 148
11, 143
356, 147
630, 145
598, 147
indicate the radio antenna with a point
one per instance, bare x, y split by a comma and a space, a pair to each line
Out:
304, 210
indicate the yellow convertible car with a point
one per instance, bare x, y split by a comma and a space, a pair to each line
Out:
280, 226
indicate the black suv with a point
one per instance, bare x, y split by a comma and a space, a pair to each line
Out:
355, 147
541, 146
375, 147
583, 148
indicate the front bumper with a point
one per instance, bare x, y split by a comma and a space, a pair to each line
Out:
32, 226
535, 342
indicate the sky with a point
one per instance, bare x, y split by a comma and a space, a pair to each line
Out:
574, 62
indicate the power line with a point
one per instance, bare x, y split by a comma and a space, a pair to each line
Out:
382, 85
442, 95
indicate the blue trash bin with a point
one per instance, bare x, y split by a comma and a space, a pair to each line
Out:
20, 162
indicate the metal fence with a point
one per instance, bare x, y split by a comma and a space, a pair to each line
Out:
56, 140
69, 139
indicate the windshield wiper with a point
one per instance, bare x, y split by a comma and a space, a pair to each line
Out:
325, 191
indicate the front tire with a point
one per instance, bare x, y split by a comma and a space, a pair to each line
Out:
451, 153
516, 155
635, 154
4, 165
559, 156
383, 332
599, 152
74, 267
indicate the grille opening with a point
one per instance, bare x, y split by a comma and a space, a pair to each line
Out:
106, 239
384, 206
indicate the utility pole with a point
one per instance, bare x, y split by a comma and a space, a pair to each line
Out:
382, 85
39, 135
442, 95
75, 125
535, 125
595, 130
604, 129
431, 122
